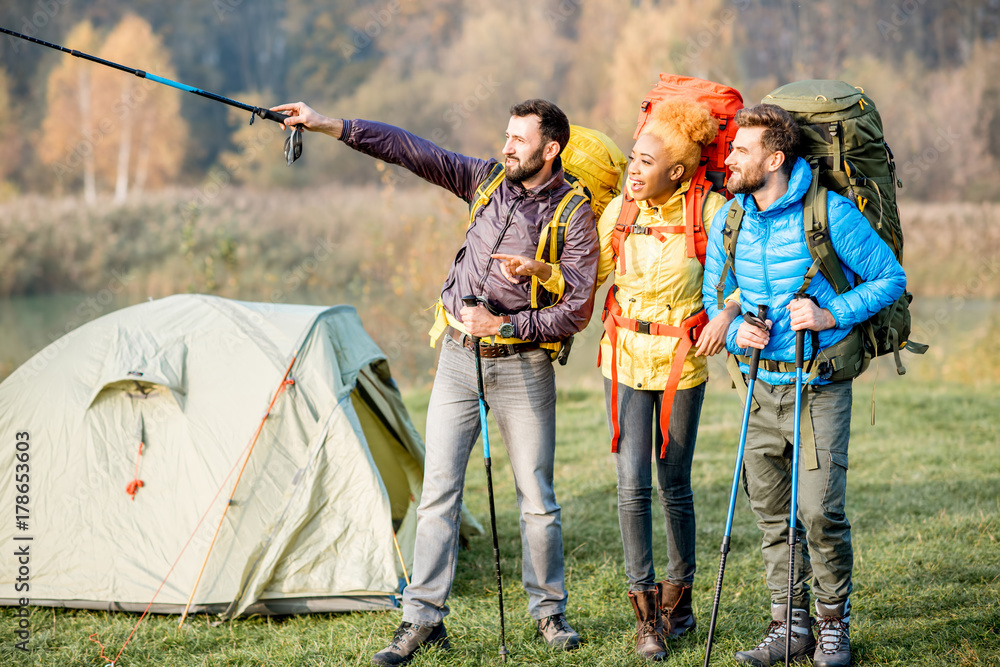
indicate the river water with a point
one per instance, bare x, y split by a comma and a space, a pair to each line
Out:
962, 332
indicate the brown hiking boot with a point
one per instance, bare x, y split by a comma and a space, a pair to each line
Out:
648, 640
675, 607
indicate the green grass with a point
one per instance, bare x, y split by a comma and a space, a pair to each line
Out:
924, 495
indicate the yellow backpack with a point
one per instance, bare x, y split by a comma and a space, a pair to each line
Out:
594, 161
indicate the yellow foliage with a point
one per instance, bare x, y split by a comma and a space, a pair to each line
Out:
146, 136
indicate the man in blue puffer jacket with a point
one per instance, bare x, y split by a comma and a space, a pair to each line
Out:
771, 261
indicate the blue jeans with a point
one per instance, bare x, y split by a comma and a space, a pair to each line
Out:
521, 393
640, 441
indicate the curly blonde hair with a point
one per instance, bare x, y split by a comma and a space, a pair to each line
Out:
685, 128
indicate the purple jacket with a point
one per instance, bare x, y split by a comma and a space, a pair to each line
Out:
511, 223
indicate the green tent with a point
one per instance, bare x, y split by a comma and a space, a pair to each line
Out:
171, 393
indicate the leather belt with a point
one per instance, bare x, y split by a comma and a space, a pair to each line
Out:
488, 351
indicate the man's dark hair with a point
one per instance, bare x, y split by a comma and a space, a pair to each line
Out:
781, 132
553, 123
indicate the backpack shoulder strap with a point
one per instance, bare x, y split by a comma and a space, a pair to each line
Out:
694, 223
553, 237
734, 218
486, 189
817, 233
626, 220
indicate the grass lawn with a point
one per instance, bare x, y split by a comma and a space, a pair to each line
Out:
924, 495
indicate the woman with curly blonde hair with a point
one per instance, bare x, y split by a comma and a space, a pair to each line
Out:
652, 318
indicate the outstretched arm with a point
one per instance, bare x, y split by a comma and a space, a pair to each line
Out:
456, 173
300, 113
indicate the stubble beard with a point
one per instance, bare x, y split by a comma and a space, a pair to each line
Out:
525, 170
748, 181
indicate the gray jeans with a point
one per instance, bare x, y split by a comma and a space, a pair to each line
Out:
520, 391
639, 442
825, 554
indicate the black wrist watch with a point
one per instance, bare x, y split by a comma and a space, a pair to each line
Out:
507, 328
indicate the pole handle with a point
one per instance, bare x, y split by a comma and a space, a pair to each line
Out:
267, 114
800, 346
755, 355
800, 340
471, 301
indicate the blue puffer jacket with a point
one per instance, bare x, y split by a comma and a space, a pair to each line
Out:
772, 259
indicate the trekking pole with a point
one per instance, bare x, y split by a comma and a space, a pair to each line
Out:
759, 321
800, 339
472, 302
293, 144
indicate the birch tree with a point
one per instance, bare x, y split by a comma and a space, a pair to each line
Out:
146, 146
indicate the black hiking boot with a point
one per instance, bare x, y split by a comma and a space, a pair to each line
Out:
833, 643
557, 633
771, 649
408, 639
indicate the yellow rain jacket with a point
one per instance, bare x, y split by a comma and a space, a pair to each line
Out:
661, 284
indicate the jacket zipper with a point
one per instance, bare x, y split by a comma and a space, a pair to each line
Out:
763, 260
503, 232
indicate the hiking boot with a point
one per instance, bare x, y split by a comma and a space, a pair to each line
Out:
648, 637
771, 649
833, 641
675, 608
408, 639
557, 633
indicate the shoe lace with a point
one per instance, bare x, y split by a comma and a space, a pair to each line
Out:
646, 628
774, 632
558, 623
397, 638
832, 630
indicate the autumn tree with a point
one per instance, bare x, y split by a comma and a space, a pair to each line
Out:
69, 134
146, 146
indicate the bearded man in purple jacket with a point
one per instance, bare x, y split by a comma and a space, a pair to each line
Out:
517, 346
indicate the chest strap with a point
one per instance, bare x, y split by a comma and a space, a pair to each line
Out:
658, 233
688, 333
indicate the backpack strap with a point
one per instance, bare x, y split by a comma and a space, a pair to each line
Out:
817, 234
694, 220
578, 182
688, 333
623, 227
485, 190
693, 228
553, 237
734, 218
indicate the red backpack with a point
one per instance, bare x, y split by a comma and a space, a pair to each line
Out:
712, 174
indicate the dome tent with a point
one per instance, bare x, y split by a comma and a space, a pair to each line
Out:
171, 392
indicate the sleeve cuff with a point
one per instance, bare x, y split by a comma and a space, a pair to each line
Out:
555, 284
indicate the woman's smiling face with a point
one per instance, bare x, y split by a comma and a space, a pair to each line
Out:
653, 174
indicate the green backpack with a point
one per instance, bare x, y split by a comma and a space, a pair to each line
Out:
843, 142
